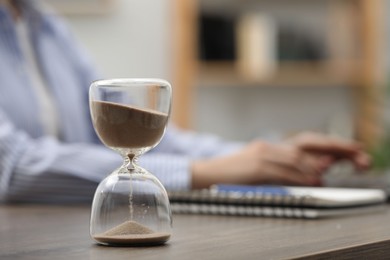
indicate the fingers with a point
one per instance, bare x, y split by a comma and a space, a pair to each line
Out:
292, 157
288, 165
281, 174
314, 164
336, 148
362, 161
329, 144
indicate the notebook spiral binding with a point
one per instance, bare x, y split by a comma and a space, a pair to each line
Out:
233, 203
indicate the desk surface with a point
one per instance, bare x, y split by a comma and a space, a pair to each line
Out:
61, 232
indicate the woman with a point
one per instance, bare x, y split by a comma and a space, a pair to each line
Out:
49, 151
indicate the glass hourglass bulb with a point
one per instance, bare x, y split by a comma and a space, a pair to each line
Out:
130, 206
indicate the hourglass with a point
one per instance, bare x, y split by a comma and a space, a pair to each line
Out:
130, 206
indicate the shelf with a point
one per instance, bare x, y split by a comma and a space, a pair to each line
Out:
294, 74
349, 25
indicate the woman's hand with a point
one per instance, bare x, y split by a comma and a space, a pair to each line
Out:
299, 161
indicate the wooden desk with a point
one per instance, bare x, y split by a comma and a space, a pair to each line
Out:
61, 232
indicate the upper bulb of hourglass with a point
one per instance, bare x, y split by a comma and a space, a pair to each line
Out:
126, 128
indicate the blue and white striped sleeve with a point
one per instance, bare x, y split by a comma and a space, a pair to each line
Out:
47, 170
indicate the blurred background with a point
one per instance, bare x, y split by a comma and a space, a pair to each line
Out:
245, 69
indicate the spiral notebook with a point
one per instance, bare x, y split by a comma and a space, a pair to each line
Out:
277, 201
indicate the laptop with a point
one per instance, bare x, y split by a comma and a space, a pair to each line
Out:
351, 179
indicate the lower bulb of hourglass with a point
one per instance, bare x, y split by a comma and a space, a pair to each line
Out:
130, 209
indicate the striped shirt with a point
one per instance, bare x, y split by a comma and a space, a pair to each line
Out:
36, 167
